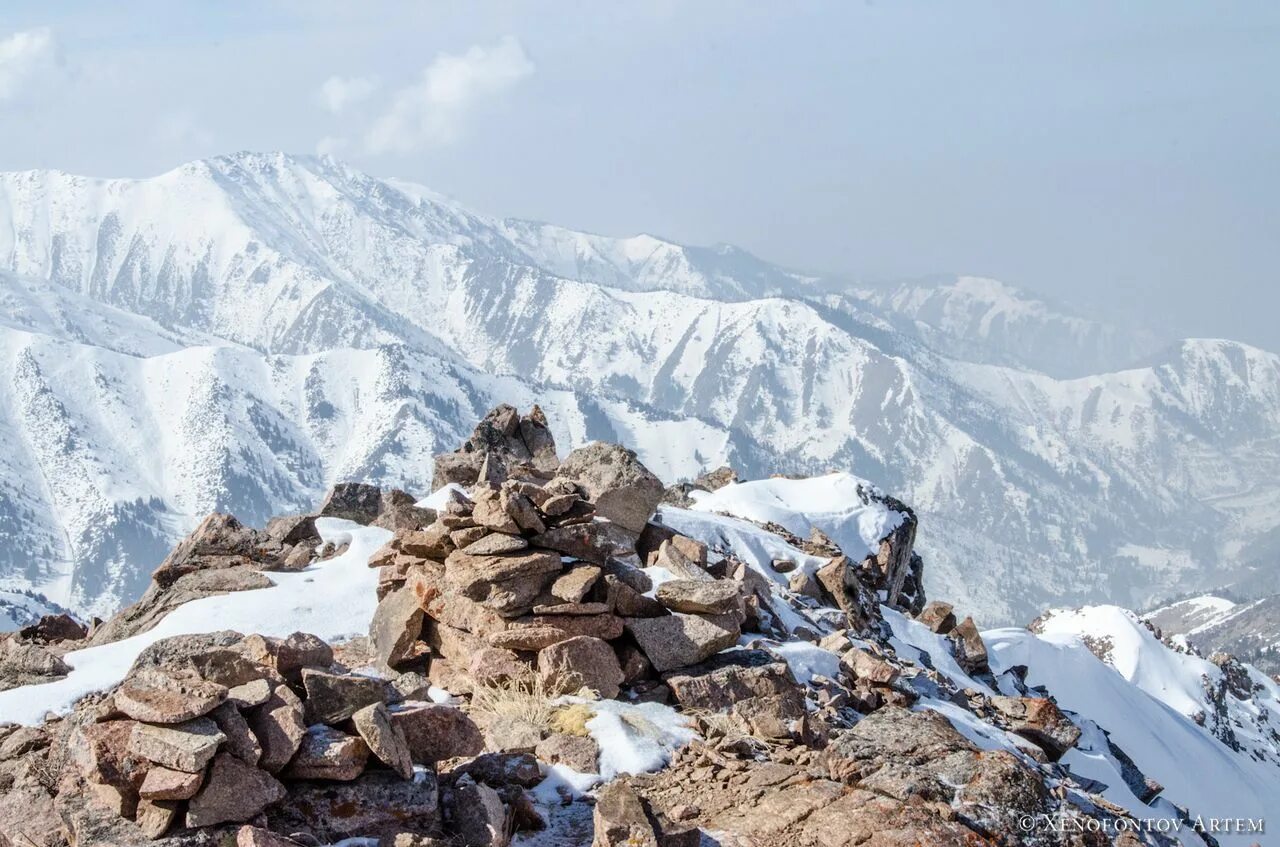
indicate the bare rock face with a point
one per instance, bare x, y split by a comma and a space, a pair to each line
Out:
168, 695
163, 783
677, 640
232, 792
54, 629
575, 751
480, 817
580, 662
621, 487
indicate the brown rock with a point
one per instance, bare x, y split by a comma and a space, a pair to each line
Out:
433, 542
1040, 721
862, 665
971, 653
326, 753
167, 784
673, 559
718, 597
494, 666
386, 740
580, 662
289, 656
678, 640
353, 501
248, 695
468, 535
395, 628
185, 747
752, 686
253, 836
579, 752
480, 817
232, 792
627, 602
511, 733
620, 819
621, 487
489, 513
572, 585
101, 753
167, 696
278, 726
938, 616
538, 631
594, 541
154, 817
435, 731
378, 803
494, 543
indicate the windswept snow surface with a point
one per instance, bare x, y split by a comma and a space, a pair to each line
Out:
837, 503
1143, 698
333, 599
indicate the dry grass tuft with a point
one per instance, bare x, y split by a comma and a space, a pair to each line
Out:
531, 699
572, 719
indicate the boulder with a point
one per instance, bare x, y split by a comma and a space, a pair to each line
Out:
384, 738
1040, 721
431, 542
278, 727
480, 818
292, 529
395, 628
716, 597
28, 664
572, 585
495, 666
185, 747
672, 557
677, 640
494, 543
327, 753
581, 662
232, 792
938, 616
332, 698
753, 686
509, 584
101, 753
154, 817
288, 656
254, 836
167, 784
54, 629
511, 734
627, 602
619, 818
623, 490
861, 664
840, 580
579, 752
436, 731
250, 694
171, 695
353, 501
594, 541
227, 667
971, 652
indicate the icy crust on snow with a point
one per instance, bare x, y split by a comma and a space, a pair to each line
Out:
1140, 701
833, 503
333, 599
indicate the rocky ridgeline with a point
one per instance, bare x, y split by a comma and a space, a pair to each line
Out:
526, 595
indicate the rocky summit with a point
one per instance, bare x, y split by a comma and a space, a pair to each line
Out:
553, 650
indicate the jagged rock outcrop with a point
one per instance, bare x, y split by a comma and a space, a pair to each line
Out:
534, 618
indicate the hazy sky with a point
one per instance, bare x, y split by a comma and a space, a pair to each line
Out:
1123, 154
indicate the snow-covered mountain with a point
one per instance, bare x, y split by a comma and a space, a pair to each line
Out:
1209, 624
236, 334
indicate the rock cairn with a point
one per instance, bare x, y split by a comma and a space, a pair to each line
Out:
529, 583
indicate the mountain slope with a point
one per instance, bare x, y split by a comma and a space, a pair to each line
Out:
305, 272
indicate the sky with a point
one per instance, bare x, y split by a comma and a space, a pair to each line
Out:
1122, 158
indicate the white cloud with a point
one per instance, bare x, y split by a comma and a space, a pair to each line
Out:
183, 129
23, 56
339, 92
433, 109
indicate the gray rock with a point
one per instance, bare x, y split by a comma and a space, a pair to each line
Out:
185, 747
436, 731
167, 696
278, 726
396, 625
233, 792
353, 501
717, 597
386, 740
327, 753
580, 662
332, 698
621, 487
678, 640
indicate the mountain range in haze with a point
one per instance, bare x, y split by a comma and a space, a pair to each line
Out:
242, 332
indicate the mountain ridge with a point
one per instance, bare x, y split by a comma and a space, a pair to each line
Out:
283, 256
